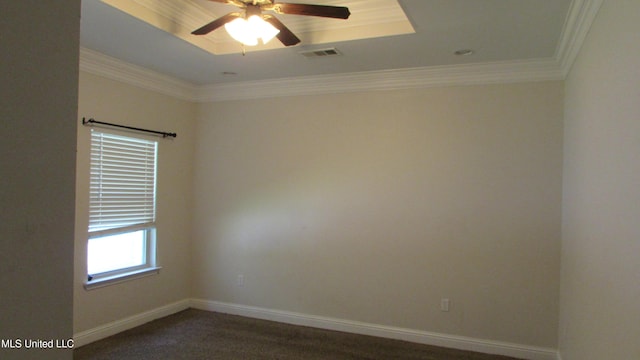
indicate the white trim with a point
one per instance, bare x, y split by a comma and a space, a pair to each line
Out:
321, 322
579, 19
559, 355
471, 74
112, 328
581, 15
111, 68
121, 277
356, 327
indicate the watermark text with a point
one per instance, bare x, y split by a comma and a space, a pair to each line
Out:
36, 343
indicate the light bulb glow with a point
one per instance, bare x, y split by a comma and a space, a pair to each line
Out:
249, 31
263, 29
239, 30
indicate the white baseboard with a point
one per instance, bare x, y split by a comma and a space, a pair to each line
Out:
355, 327
112, 328
422, 337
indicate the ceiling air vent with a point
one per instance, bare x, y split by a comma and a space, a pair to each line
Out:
320, 53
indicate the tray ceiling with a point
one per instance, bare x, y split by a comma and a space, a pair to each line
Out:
369, 19
534, 36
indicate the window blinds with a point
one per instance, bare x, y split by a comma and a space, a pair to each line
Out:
123, 181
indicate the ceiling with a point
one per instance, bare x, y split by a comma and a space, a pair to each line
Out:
369, 19
498, 31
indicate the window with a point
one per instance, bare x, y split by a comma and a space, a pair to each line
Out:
122, 208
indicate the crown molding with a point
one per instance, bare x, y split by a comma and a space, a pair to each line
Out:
99, 64
472, 74
581, 15
579, 19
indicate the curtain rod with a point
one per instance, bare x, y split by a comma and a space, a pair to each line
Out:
93, 121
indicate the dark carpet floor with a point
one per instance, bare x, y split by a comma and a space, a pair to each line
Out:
197, 334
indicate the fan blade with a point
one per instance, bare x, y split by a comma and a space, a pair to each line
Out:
338, 12
216, 24
285, 35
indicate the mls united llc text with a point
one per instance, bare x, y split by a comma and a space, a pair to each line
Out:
36, 344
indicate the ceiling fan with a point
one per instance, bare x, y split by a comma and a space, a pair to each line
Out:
252, 11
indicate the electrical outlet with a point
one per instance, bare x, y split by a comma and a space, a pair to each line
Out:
444, 304
240, 280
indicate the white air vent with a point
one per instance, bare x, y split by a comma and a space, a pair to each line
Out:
320, 53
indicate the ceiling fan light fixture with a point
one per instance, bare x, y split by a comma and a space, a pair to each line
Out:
249, 26
249, 31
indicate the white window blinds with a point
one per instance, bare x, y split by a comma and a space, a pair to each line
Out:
123, 181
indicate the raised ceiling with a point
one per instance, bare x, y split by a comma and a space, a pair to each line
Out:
370, 19
503, 34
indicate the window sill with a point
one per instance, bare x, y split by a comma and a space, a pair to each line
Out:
116, 279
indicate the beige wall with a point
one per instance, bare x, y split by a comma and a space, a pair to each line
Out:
364, 206
374, 206
38, 103
111, 101
600, 316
